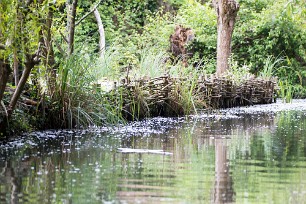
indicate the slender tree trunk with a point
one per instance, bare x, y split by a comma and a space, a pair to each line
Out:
227, 12
16, 68
4, 75
4, 69
47, 50
68, 10
17, 30
29, 65
71, 26
101, 32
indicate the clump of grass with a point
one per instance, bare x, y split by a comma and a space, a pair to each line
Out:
286, 91
111, 64
152, 63
77, 102
274, 66
236, 73
270, 67
138, 107
185, 91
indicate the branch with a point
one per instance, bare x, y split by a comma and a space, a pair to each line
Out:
101, 33
60, 49
63, 36
90, 12
36, 56
31, 61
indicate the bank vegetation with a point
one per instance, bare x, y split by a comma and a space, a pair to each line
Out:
74, 64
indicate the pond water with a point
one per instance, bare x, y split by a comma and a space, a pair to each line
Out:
242, 155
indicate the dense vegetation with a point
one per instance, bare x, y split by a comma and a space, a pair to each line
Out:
60, 72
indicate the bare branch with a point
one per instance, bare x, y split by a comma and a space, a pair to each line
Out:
101, 32
90, 12
63, 36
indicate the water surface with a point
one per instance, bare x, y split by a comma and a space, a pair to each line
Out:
243, 155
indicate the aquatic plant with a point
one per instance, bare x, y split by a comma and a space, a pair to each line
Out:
286, 91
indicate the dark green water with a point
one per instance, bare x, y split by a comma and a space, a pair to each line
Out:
246, 155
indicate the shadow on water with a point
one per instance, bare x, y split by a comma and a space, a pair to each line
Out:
252, 155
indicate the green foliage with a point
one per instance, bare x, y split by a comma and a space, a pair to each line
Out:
120, 19
20, 27
237, 73
287, 89
272, 29
202, 20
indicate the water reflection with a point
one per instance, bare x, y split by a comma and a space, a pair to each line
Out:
252, 158
8, 177
223, 190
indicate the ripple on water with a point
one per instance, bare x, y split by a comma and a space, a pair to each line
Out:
84, 166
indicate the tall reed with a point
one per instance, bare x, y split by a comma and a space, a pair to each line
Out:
76, 99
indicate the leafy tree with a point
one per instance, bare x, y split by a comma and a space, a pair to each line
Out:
22, 31
271, 29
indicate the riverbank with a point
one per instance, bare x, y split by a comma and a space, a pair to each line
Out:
149, 126
137, 99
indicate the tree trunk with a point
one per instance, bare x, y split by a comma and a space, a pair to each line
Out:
4, 75
29, 65
47, 50
227, 12
101, 32
16, 68
71, 26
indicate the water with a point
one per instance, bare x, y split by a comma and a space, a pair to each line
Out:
242, 155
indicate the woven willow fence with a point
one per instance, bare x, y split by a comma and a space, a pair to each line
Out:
169, 96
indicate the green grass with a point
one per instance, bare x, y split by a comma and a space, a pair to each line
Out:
77, 101
271, 65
